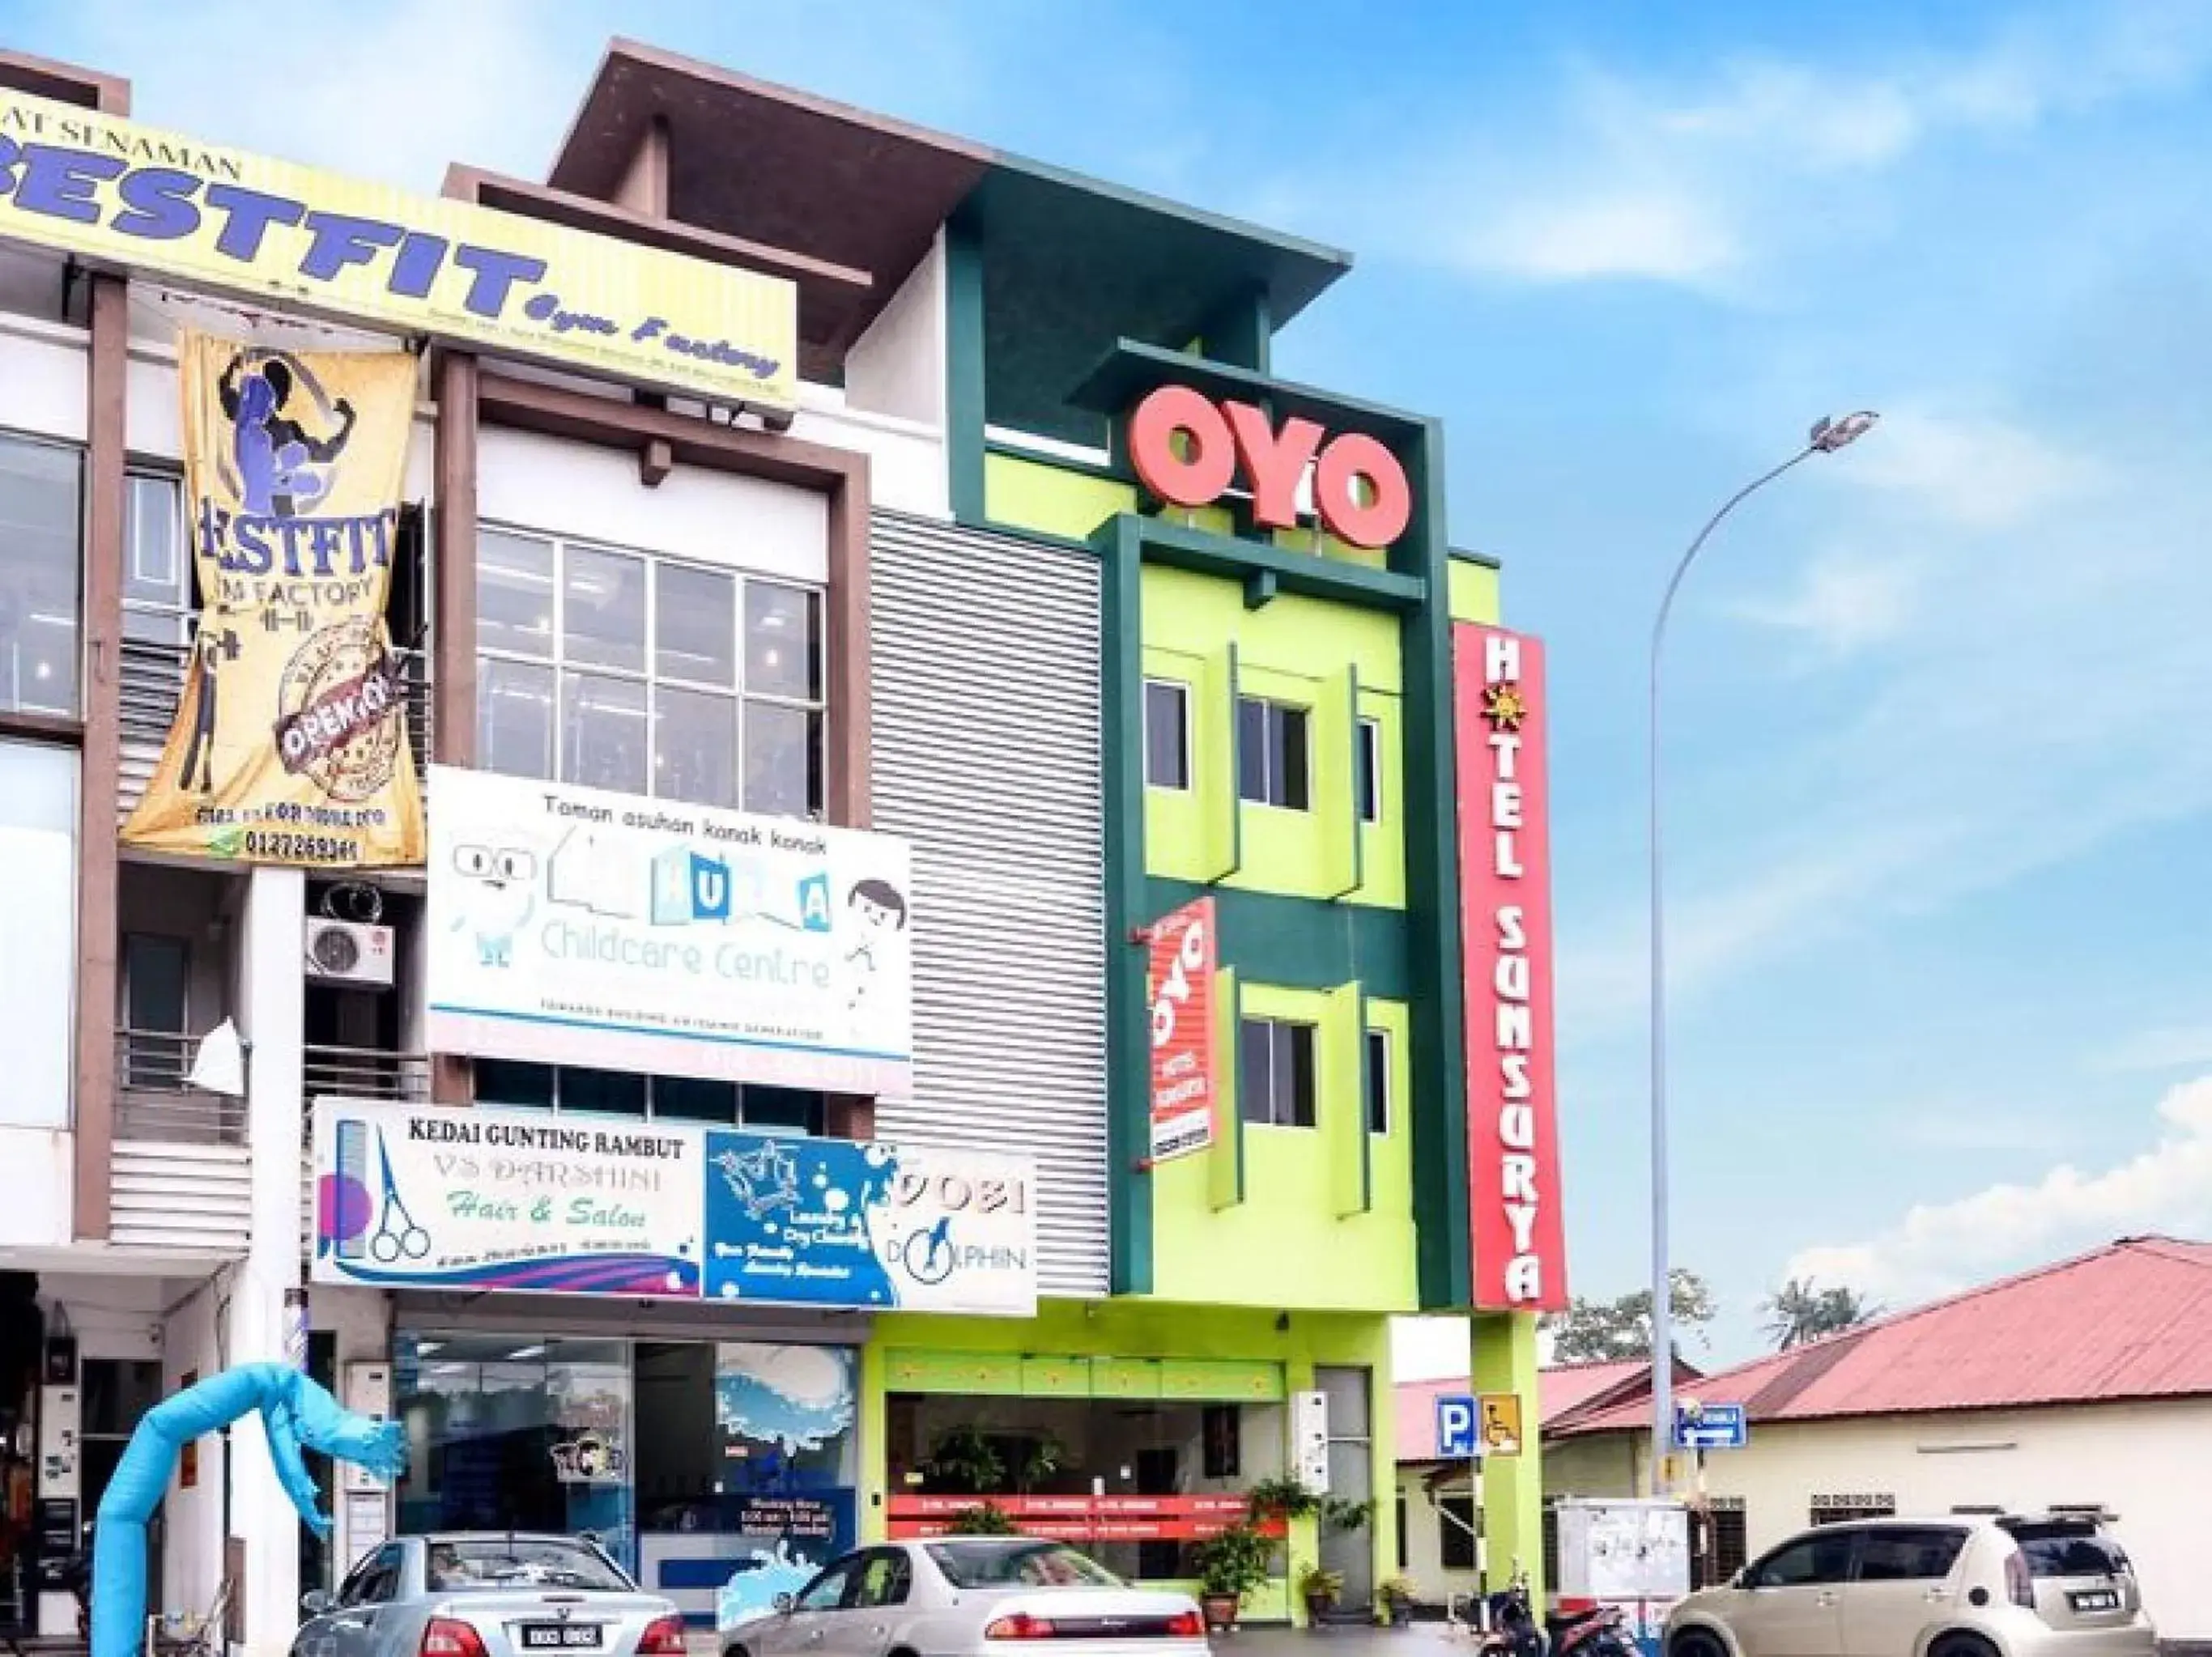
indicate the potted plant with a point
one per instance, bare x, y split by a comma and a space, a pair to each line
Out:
1394, 1599
1286, 1498
1320, 1587
1231, 1567
984, 1518
965, 1463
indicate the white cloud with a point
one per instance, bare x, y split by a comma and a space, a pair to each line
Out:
1972, 472
1843, 603
2170, 1046
1938, 1248
1658, 233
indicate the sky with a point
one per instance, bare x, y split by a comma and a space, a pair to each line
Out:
1937, 790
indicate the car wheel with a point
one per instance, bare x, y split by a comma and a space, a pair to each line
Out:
1961, 1645
1698, 1642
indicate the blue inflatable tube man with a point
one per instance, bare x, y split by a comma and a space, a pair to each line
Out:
297, 1415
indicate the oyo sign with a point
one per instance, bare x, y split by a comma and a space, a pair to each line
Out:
1190, 451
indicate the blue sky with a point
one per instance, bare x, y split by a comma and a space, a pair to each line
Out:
1938, 787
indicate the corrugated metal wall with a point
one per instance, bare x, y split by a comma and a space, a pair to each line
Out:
986, 732
182, 1196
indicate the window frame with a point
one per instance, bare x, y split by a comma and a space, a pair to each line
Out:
1457, 1530
816, 1127
1186, 747
1288, 1029
1274, 713
738, 694
1954, 1536
71, 672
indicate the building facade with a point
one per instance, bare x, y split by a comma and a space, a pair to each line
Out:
981, 925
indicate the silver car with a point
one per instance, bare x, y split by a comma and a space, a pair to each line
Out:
970, 1596
493, 1594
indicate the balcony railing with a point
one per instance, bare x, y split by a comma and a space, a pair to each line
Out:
366, 1073
152, 682
154, 1101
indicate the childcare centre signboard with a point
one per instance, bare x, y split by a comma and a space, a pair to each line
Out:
138, 199
573, 927
433, 1198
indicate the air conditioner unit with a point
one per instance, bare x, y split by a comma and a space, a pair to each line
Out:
349, 952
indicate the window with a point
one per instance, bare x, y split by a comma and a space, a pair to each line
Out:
1271, 754
1167, 734
647, 676
2067, 1547
1455, 1532
659, 1098
478, 1564
1403, 1564
1843, 1509
883, 1580
157, 574
1809, 1561
1275, 1072
1378, 1081
1719, 1542
827, 1591
1221, 1436
375, 1581
41, 602
1370, 771
1909, 1553
1018, 1561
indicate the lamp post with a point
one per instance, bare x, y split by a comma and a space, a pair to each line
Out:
1825, 437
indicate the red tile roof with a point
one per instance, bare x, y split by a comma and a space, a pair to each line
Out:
2132, 1321
1563, 1389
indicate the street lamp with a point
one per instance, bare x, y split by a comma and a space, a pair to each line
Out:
1827, 436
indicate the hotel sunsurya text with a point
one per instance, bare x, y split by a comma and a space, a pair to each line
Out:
1505, 884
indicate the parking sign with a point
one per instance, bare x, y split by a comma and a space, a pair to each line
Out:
1455, 1426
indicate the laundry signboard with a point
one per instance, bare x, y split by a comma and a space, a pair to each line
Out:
573, 926
140, 200
428, 1197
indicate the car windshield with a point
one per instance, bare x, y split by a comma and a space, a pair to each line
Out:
1020, 1565
2068, 1548
464, 1565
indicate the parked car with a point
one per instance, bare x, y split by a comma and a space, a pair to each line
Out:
968, 1596
502, 1595
1955, 1586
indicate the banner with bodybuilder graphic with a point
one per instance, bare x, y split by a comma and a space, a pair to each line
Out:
290, 743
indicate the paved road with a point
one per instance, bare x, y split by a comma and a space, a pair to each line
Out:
1346, 1640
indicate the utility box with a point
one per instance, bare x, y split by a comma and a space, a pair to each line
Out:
1632, 1553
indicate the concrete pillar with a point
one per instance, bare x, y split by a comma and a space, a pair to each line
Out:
272, 1008
1505, 1361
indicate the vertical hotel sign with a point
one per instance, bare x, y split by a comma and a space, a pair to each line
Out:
1505, 896
1180, 979
290, 741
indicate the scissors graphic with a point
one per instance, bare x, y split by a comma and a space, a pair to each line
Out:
410, 1239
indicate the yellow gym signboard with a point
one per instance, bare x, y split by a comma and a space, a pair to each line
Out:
137, 199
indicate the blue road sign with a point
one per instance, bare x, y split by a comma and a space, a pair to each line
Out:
1456, 1434
1710, 1426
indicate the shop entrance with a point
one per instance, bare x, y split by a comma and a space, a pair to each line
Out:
722, 1474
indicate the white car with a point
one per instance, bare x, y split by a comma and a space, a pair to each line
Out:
970, 1596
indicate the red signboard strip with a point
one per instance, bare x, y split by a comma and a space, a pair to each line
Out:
1082, 1518
1505, 896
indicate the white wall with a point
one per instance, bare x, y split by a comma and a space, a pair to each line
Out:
592, 493
2147, 1463
898, 367
44, 379
191, 1547
38, 966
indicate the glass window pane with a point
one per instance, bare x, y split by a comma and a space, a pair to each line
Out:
1370, 771
152, 543
696, 625
695, 747
1289, 760
1256, 1069
508, 1082
514, 718
1251, 749
613, 1092
602, 610
1378, 1082
514, 594
1167, 762
1294, 1077
785, 1109
783, 760
40, 515
693, 1099
783, 642
602, 733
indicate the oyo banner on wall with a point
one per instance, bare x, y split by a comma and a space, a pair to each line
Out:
1505, 896
1181, 957
573, 926
434, 1197
290, 741
137, 199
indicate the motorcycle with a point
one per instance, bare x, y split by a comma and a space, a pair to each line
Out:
1598, 1631
1511, 1630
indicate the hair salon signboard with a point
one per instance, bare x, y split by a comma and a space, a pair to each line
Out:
573, 927
433, 1196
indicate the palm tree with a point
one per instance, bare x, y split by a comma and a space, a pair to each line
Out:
1802, 1311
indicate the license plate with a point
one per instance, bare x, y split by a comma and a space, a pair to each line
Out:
2095, 1600
560, 1636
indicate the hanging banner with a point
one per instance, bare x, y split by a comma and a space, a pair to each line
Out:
137, 199
1179, 983
290, 741
1505, 896
431, 1197
572, 926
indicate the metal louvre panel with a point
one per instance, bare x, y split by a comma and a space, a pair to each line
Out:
986, 758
